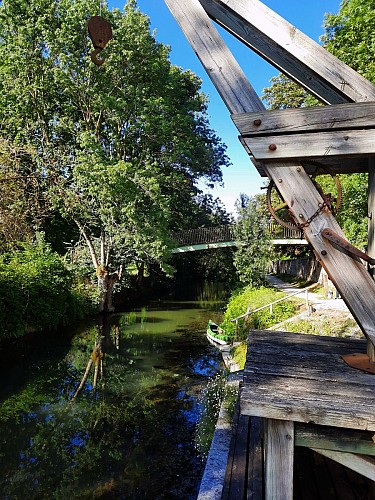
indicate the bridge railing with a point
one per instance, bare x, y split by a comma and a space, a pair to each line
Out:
204, 235
217, 234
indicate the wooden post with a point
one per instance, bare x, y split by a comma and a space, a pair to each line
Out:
307, 303
279, 459
371, 234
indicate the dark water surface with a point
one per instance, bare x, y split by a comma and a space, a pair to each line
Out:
130, 431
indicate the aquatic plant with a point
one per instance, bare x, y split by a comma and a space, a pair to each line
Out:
128, 319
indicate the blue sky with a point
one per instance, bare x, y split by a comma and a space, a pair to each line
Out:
306, 15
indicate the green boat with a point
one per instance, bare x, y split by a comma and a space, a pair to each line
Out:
216, 334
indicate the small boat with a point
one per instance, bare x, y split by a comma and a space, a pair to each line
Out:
216, 334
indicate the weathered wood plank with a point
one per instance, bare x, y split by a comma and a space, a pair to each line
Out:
290, 50
238, 484
308, 341
279, 460
273, 388
361, 464
215, 56
301, 410
301, 120
312, 146
255, 486
331, 438
355, 285
341, 166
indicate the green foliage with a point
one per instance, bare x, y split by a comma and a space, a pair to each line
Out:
254, 248
255, 298
123, 145
353, 216
238, 353
350, 35
37, 291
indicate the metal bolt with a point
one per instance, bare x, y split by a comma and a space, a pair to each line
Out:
272, 147
280, 180
324, 252
298, 169
300, 216
257, 122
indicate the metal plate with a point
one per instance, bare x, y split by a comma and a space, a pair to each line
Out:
360, 362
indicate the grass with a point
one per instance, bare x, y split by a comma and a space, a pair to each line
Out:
238, 353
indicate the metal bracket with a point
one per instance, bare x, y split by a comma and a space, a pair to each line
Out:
359, 362
345, 246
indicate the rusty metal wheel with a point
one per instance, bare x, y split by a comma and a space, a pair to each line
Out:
333, 198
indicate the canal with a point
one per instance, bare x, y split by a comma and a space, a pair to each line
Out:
119, 408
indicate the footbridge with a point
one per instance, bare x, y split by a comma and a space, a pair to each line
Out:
207, 238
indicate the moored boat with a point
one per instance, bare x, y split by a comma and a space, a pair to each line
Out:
216, 334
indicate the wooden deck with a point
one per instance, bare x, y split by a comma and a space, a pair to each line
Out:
300, 405
315, 476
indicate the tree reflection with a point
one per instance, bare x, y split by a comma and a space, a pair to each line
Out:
94, 422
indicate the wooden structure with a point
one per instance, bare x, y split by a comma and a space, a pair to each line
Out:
281, 144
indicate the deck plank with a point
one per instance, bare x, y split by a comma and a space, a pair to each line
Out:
302, 378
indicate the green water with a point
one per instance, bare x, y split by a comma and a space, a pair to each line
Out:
130, 431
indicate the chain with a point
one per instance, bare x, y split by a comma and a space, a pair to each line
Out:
314, 215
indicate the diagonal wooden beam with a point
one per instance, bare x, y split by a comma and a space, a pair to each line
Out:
349, 276
290, 50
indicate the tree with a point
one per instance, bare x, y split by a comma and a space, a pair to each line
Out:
122, 145
254, 246
22, 202
350, 35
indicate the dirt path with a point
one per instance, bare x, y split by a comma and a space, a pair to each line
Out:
327, 316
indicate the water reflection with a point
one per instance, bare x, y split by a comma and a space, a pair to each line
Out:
112, 416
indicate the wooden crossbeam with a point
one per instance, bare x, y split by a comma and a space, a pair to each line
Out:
338, 131
355, 284
290, 50
361, 464
313, 146
302, 120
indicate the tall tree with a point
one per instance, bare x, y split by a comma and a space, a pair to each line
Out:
123, 144
254, 247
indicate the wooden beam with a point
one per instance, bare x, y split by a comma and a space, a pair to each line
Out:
361, 464
255, 476
279, 442
310, 146
290, 50
355, 285
336, 166
302, 120
335, 439
215, 56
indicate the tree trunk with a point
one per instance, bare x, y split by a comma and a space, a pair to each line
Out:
106, 282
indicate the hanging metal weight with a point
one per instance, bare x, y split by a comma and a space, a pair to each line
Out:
100, 32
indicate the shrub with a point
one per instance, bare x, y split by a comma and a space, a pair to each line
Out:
255, 298
37, 291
